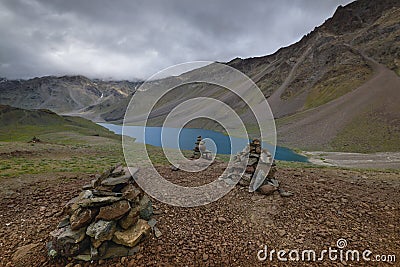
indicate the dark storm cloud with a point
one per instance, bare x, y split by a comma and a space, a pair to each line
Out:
127, 39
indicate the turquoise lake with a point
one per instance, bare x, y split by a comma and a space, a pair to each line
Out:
187, 137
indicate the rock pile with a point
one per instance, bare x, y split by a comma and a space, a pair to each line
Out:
196, 149
108, 219
259, 166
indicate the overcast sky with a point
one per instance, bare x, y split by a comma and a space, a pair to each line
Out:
135, 38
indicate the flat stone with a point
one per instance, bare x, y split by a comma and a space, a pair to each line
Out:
100, 193
97, 201
67, 235
118, 171
132, 236
87, 187
115, 211
83, 257
157, 232
82, 217
101, 230
112, 181
131, 218
131, 193
267, 189
252, 161
64, 222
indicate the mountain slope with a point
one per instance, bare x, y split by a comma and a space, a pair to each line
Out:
76, 95
22, 125
328, 62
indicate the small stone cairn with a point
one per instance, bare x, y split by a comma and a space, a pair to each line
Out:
196, 149
108, 219
262, 159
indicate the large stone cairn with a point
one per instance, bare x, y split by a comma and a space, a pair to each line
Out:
108, 219
258, 157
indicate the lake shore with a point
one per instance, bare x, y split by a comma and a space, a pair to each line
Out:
381, 160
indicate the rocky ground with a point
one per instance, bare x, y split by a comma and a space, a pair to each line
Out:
328, 204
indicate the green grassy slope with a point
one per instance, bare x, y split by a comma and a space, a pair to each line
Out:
21, 125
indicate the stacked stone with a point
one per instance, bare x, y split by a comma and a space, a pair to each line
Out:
257, 157
108, 219
196, 149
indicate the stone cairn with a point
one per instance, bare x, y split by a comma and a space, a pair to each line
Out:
108, 219
262, 159
196, 149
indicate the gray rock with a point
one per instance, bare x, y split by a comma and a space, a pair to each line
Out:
67, 235
100, 193
112, 181
284, 193
101, 230
146, 208
82, 217
152, 222
118, 171
175, 168
157, 232
64, 222
273, 182
252, 161
97, 201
